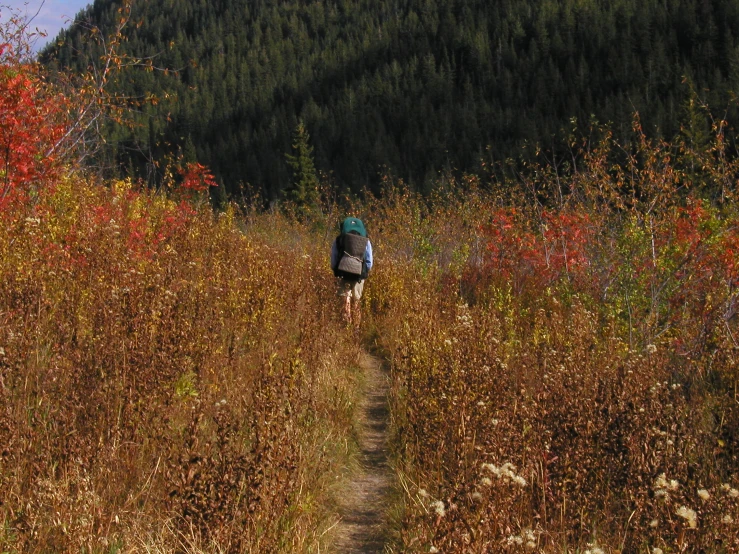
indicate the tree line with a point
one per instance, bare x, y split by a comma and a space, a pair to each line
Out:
408, 87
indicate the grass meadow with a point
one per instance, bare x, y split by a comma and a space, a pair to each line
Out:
562, 349
564, 356
170, 380
563, 366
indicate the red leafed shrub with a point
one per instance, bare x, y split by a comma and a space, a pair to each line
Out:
196, 177
566, 238
511, 247
33, 119
527, 258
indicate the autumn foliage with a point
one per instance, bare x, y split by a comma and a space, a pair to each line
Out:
33, 120
564, 357
562, 354
163, 385
196, 177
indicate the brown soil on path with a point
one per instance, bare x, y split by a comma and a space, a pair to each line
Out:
362, 503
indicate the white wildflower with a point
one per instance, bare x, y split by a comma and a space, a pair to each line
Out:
433, 550
661, 481
594, 550
465, 320
654, 523
733, 493
651, 349
704, 494
656, 550
727, 519
476, 496
518, 480
506, 472
689, 515
422, 493
486, 481
514, 539
439, 508
529, 536
662, 485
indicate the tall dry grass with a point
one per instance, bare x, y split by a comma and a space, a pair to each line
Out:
564, 372
170, 380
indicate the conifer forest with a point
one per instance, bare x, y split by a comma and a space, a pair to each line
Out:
411, 87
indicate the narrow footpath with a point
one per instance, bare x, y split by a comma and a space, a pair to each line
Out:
362, 505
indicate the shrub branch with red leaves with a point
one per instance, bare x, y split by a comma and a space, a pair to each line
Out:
196, 177
32, 120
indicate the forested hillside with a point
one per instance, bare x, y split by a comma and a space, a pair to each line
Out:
410, 87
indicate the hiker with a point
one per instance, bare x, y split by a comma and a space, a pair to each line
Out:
351, 260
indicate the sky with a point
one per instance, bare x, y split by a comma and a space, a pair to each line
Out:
54, 14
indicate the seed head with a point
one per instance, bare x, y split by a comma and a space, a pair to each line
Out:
439, 508
689, 515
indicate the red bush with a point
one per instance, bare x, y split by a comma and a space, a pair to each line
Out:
33, 119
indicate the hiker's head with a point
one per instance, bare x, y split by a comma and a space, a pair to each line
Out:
353, 224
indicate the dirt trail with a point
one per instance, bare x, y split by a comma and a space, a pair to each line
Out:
362, 504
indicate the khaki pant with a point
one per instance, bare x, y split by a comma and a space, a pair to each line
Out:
351, 289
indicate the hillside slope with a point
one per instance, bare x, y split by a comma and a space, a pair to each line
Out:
414, 86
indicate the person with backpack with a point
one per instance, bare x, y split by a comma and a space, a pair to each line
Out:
351, 261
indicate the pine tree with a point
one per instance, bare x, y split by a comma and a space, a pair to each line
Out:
695, 133
304, 185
